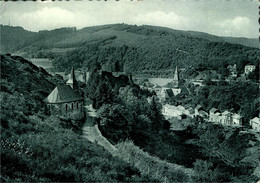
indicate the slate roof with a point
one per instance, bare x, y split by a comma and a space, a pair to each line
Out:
169, 92
62, 94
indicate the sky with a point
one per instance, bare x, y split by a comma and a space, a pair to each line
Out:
235, 18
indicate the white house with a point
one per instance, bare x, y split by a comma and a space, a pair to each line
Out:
212, 115
226, 118
255, 123
171, 110
249, 68
236, 119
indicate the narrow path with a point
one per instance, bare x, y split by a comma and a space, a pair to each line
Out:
92, 133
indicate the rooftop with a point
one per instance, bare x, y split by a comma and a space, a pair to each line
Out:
62, 94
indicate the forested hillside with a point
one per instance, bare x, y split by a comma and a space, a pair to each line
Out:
122, 47
35, 147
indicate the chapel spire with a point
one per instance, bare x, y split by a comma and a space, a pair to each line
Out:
72, 82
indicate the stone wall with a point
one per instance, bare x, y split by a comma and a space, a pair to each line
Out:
71, 110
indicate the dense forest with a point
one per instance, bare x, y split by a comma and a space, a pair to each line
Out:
36, 147
158, 52
129, 48
126, 113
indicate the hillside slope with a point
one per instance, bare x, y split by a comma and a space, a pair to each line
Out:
139, 48
35, 147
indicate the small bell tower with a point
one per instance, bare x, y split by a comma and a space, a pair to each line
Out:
72, 82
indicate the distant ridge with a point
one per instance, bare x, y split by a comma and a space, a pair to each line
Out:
14, 38
130, 48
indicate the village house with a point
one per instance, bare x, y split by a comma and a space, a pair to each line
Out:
255, 123
226, 118
249, 68
218, 117
236, 120
64, 101
214, 115
171, 110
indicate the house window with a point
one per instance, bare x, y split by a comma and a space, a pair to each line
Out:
72, 106
66, 107
77, 105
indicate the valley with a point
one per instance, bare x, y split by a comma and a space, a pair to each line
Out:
130, 103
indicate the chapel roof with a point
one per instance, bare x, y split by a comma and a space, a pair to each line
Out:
62, 94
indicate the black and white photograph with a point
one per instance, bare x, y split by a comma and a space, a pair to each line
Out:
130, 91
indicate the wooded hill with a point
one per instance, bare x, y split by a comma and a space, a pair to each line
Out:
121, 47
36, 147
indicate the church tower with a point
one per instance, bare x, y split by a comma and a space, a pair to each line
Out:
72, 82
176, 78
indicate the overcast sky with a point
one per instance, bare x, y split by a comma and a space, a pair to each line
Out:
237, 18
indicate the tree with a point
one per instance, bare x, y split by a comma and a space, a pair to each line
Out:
156, 116
115, 122
103, 95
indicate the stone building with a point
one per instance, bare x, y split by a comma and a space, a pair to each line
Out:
64, 101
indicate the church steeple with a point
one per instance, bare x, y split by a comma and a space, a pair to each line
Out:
72, 82
176, 78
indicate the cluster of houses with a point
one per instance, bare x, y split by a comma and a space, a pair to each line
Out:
233, 70
214, 115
